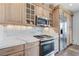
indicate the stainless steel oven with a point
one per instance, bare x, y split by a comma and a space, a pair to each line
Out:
46, 44
46, 47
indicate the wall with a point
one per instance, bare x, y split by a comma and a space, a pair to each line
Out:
76, 28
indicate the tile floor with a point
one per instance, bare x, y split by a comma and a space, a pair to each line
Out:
70, 51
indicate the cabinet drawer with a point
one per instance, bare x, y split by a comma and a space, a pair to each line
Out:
29, 45
18, 54
11, 50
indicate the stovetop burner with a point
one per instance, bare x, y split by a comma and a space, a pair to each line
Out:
43, 37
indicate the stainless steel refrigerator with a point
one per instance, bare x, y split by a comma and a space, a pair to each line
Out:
63, 33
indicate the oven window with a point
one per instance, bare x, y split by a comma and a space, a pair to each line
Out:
47, 48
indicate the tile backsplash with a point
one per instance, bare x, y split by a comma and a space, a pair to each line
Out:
1, 32
16, 31
9, 31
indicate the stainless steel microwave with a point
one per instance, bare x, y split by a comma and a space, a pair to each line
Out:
41, 21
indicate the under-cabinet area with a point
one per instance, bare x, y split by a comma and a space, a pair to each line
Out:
34, 29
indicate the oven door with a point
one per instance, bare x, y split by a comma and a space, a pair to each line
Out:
47, 47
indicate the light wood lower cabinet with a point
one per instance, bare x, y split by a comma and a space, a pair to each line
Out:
11, 50
18, 54
32, 49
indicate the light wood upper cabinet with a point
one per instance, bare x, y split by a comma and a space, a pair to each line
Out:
22, 13
39, 11
2, 13
46, 13
12, 13
51, 18
56, 20
15, 13
42, 10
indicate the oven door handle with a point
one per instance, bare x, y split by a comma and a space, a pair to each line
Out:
47, 42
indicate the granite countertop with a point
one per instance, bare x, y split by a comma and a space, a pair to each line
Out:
18, 40
9, 42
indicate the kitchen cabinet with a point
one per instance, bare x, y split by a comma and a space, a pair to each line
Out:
56, 20
69, 29
32, 49
11, 13
51, 18
29, 49
42, 10
23, 13
15, 14
18, 54
46, 10
46, 13
39, 11
46, 6
30, 14
51, 7
2, 13
15, 50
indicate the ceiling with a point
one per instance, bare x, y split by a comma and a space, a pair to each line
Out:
74, 7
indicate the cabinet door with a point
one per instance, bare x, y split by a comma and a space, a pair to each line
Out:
56, 20
15, 13
69, 37
34, 51
11, 50
18, 54
46, 6
46, 13
39, 11
2, 13
23, 14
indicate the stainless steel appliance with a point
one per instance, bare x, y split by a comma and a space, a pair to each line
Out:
63, 32
47, 47
46, 44
40, 21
